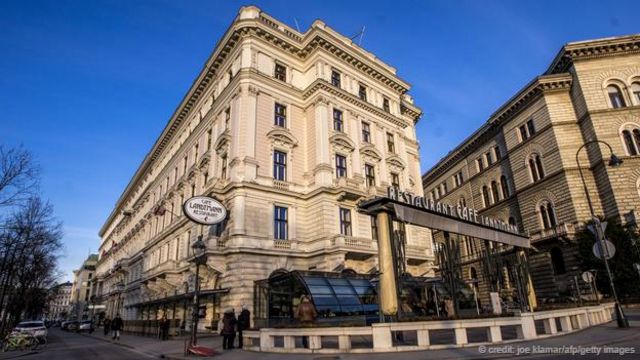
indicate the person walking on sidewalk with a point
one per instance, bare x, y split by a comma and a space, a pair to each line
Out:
164, 328
228, 329
244, 321
116, 327
107, 326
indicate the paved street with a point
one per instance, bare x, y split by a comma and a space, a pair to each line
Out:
64, 345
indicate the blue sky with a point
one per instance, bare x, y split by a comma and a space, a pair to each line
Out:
87, 86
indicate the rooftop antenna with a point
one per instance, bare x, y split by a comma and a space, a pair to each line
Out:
297, 26
361, 34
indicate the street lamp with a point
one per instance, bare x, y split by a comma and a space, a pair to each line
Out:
200, 258
614, 161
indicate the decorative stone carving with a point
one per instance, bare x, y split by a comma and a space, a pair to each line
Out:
282, 137
342, 142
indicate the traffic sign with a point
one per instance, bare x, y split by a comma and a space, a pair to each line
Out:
608, 248
587, 276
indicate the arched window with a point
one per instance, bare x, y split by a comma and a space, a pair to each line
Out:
548, 215
557, 261
494, 191
505, 187
615, 96
635, 92
512, 221
535, 168
485, 196
462, 202
629, 144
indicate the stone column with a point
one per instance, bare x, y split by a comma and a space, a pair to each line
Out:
322, 170
388, 288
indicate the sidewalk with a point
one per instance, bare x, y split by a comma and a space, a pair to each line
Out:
154, 347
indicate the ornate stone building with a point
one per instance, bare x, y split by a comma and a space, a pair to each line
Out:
59, 301
521, 164
289, 131
81, 290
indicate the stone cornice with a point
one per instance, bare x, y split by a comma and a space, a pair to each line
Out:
522, 99
591, 49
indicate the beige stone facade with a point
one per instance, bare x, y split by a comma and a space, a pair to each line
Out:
59, 301
289, 131
520, 166
81, 290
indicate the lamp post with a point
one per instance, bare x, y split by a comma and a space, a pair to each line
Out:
199, 250
614, 161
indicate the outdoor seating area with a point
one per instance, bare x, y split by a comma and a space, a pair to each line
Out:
427, 335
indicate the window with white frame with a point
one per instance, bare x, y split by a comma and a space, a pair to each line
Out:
505, 187
631, 140
479, 164
279, 165
341, 166
280, 72
338, 122
616, 98
458, 178
370, 175
362, 92
494, 191
526, 130
280, 115
385, 105
280, 223
345, 221
366, 132
485, 196
547, 215
335, 78
395, 180
391, 145
535, 167
489, 157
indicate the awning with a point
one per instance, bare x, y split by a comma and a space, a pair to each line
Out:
180, 297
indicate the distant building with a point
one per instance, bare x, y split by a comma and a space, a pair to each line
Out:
520, 166
289, 130
59, 301
81, 288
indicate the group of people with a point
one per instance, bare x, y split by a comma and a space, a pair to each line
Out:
114, 325
231, 325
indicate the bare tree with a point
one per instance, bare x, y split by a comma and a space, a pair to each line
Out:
18, 176
30, 242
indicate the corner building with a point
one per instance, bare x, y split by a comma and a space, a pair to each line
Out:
520, 166
289, 131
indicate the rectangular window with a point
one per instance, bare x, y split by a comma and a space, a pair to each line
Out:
335, 78
280, 118
531, 128
280, 72
366, 132
184, 166
227, 117
444, 188
209, 139
391, 145
480, 164
280, 223
345, 222
362, 92
385, 105
489, 158
395, 180
279, 165
496, 150
223, 167
341, 166
370, 175
196, 151
458, 178
523, 133
338, 124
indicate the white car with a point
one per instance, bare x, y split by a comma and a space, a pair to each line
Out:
35, 328
86, 325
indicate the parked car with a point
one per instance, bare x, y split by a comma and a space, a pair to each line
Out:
86, 325
35, 328
72, 325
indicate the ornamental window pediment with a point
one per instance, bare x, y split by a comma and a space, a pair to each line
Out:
369, 152
342, 142
282, 138
395, 163
223, 142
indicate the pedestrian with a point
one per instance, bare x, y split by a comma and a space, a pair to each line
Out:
228, 329
159, 333
244, 320
116, 326
164, 331
107, 326
306, 314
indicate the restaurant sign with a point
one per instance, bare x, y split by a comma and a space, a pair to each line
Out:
458, 212
204, 210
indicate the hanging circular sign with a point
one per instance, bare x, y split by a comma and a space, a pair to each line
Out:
608, 248
204, 210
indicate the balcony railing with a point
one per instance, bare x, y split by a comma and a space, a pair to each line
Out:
561, 230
